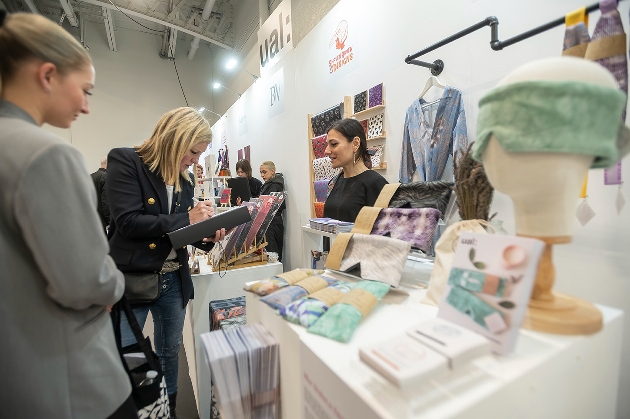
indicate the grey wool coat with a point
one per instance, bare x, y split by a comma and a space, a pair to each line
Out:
58, 356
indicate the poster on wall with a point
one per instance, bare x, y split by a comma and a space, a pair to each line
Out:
275, 93
275, 37
342, 50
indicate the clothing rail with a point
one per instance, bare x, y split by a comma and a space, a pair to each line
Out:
437, 66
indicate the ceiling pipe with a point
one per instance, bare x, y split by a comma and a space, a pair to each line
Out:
205, 15
67, 7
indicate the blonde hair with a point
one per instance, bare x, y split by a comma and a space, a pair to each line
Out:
25, 36
175, 134
269, 165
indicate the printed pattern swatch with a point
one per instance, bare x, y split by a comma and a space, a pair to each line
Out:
360, 101
375, 125
376, 155
323, 169
322, 122
319, 146
321, 190
412, 225
376, 95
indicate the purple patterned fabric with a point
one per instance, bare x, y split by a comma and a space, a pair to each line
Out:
319, 146
376, 95
321, 190
413, 225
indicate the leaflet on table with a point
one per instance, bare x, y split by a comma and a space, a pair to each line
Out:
195, 232
490, 285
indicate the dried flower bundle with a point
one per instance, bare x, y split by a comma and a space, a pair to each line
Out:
473, 190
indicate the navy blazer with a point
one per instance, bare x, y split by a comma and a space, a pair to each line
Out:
140, 219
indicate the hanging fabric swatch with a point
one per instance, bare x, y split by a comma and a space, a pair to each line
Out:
322, 122
360, 102
426, 147
321, 190
319, 146
375, 126
376, 95
342, 319
323, 169
412, 225
287, 295
307, 310
576, 37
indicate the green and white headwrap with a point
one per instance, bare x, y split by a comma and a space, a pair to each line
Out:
555, 117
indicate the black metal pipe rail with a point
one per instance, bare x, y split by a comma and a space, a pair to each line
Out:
437, 66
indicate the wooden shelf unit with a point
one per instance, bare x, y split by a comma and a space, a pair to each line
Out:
383, 166
369, 111
380, 137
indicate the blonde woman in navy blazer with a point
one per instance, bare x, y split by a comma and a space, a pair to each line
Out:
150, 193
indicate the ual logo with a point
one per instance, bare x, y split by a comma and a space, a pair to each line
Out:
276, 40
339, 41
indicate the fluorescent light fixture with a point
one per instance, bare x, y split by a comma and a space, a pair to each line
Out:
231, 64
202, 109
216, 85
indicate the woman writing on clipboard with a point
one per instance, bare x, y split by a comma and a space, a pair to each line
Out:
150, 192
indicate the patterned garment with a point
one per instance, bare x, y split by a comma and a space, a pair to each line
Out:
319, 209
423, 195
376, 95
321, 190
319, 146
375, 126
609, 24
323, 169
426, 148
322, 122
287, 295
360, 102
340, 322
413, 225
378, 258
306, 311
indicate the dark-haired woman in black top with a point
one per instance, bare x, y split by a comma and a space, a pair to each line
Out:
357, 186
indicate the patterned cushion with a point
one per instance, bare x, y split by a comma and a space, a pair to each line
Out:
376, 95
321, 190
322, 122
375, 126
413, 225
319, 146
376, 155
360, 102
323, 169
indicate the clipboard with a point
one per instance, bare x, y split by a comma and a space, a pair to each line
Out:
208, 228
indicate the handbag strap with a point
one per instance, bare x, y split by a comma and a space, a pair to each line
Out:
124, 306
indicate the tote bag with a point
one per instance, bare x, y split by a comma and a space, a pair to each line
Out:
444, 254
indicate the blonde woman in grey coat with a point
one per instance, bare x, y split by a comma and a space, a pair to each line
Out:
58, 357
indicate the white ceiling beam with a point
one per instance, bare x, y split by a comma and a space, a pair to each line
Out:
191, 30
67, 7
108, 20
32, 6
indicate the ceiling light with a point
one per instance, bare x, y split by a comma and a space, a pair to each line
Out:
230, 64
216, 85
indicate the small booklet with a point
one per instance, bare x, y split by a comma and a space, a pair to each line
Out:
195, 232
490, 285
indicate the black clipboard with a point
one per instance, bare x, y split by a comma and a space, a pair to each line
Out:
195, 232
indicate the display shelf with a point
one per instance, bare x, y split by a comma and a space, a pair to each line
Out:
383, 166
369, 110
380, 137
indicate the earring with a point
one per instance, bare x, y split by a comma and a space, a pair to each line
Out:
355, 158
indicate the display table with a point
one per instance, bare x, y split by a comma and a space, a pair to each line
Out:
209, 287
546, 376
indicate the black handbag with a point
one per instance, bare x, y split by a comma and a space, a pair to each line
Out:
142, 288
150, 398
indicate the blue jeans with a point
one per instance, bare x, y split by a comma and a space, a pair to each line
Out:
168, 325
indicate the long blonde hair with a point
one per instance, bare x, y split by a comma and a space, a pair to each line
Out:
175, 134
25, 36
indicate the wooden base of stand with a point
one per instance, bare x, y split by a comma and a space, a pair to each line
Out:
564, 315
244, 259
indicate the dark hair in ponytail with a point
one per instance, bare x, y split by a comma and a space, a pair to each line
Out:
351, 128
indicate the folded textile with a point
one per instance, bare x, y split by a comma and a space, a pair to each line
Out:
341, 320
233, 322
413, 225
435, 194
321, 190
286, 295
378, 258
307, 310
319, 209
267, 286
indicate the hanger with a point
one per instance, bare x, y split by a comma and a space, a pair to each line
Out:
431, 82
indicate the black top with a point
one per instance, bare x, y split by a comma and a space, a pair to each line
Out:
351, 194
254, 187
102, 206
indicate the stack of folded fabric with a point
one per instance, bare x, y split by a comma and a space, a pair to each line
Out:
285, 296
269, 285
342, 319
307, 310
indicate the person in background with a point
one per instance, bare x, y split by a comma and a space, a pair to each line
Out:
150, 193
59, 359
356, 186
244, 169
274, 182
199, 171
102, 207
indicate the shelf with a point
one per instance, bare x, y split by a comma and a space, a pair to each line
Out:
307, 229
383, 166
369, 111
381, 137
209, 179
